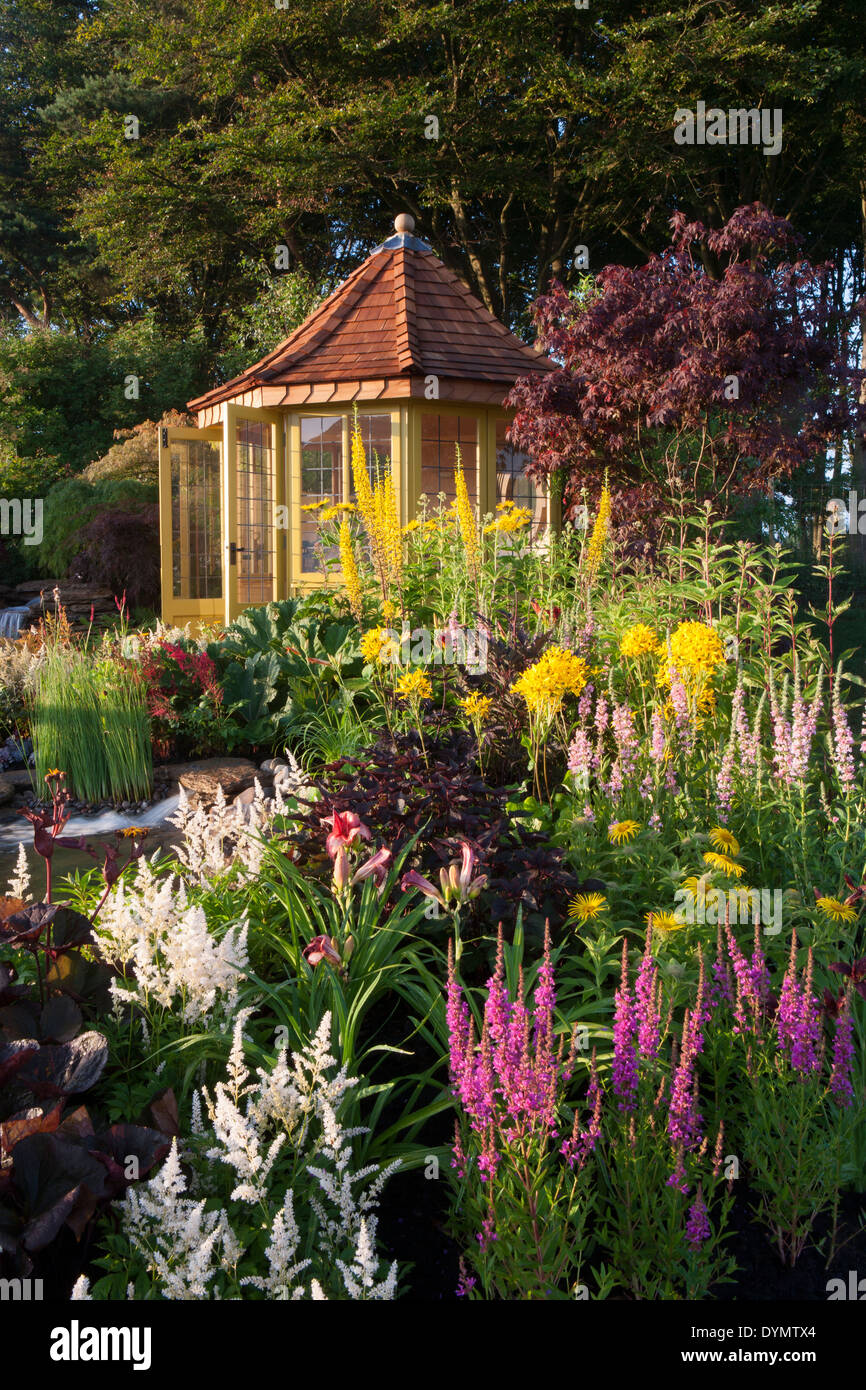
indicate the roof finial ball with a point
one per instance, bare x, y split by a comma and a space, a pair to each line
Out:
404, 222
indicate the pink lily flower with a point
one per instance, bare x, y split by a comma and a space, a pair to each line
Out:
322, 948
346, 827
377, 867
416, 880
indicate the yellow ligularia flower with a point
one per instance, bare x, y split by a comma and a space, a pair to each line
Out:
414, 685
376, 646
638, 641
599, 534
466, 517
351, 578
476, 707
724, 864
557, 673
722, 839
621, 831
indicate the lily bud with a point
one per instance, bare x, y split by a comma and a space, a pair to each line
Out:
341, 871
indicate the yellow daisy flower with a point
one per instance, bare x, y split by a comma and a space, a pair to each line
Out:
724, 864
619, 832
722, 839
837, 911
585, 907
663, 921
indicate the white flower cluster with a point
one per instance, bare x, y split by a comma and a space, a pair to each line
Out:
177, 962
295, 1105
218, 837
19, 883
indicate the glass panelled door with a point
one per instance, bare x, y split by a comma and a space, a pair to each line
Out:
190, 525
255, 544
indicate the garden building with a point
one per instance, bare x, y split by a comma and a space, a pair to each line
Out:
427, 367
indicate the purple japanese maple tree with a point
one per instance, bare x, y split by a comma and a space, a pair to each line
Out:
711, 370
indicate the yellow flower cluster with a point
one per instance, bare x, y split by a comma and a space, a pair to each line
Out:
696, 649
557, 673
376, 646
638, 641
599, 535
314, 506
476, 707
348, 565
514, 519
338, 510
466, 518
389, 610
414, 685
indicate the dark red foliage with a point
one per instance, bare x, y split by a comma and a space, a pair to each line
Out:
641, 390
120, 551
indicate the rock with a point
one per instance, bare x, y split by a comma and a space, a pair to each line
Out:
204, 779
244, 800
273, 764
19, 777
7, 789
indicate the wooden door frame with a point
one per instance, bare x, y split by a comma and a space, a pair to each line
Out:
180, 611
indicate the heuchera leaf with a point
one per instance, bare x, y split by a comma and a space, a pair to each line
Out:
60, 1019
29, 1122
49, 1174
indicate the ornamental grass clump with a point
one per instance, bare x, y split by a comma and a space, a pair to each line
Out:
90, 718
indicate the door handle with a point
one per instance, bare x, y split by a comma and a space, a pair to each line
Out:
234, 551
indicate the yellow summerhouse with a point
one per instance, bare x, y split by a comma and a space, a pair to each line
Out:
426, 366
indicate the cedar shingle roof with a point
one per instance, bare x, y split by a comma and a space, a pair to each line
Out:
400, 317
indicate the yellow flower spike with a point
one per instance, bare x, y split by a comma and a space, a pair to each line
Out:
466, 518
595, 548
351, 578
476, 707
557, 673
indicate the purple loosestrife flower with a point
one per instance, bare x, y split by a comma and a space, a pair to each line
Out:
684, 1119
843, 740
721, 990
749, 979
843, 1055
580, 754
648, 1003
577, 1149
584, 704
789, 1001
624, 1071
804, 723
626, 739
698, 1224
459, 1030
657, 746
680, 701
806, 1044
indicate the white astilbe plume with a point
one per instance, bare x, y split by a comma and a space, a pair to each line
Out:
221, 838
177, 962
184, 1246
19, 883
359, 1277
81, 1290
280, 1255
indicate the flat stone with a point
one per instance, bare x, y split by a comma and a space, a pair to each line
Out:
204, 779
19, 777
273, 764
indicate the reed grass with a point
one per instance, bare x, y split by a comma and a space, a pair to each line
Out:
90, 720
